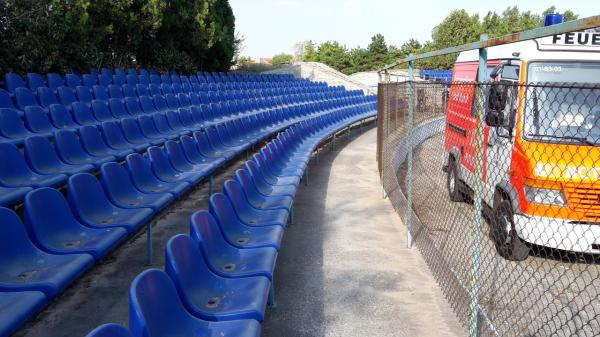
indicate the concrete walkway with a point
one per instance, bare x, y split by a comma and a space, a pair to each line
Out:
344, 269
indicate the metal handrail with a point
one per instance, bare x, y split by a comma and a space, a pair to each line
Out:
570, 26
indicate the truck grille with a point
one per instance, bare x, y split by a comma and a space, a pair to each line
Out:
584, 198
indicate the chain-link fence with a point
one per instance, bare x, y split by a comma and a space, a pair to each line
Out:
503, 180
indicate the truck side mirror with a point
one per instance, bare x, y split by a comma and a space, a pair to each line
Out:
496, 104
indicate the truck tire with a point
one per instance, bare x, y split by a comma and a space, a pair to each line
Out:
508, 244
453, 183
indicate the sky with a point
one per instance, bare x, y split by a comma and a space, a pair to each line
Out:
273, 26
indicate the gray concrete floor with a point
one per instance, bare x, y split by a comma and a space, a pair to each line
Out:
344, 269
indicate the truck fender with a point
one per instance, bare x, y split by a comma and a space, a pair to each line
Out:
508, 189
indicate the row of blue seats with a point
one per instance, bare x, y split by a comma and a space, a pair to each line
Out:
218, 278
63, 236
44, 164
54, 81
45, 97
96, 111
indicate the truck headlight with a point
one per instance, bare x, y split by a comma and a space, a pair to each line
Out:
545, 196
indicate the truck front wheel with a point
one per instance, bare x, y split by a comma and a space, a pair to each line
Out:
508, 244
453, 182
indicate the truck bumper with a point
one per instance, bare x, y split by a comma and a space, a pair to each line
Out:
576, 236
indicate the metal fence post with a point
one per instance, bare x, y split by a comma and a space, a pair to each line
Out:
409, 179
478, 190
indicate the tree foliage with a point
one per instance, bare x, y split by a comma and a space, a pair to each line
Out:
65, 35
457, 28
281, 58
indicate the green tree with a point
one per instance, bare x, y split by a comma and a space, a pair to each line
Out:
377, 52
310, 52
281, 58
334, 55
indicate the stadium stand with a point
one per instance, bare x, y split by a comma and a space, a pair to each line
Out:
90, 159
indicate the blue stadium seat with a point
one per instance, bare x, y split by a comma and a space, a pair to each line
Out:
82, 114
133, 106
17, 307
114, 138
175, 122
11, 126
164, 170
92, 207
132, 79
101, 111
192, 153
209, 296
142, 90
70, 150
66, 95
179, 161
72, 80
36, 120
84, 94
13, 81
133, 133
236, 232
46, 97
128, 91
92, 142
114, 91
251, 215
14, 171
123, 193
105, 79
225, 259
24, 267
24, 98
149, 130
119, 79
255, 198
155, 309
146, 181
43, 159
34, 81
162, 125
61, 118
110, 330
117, 108
264, 187
10, 196
52, 226
207, 150
6, 100
90, 80
100, 92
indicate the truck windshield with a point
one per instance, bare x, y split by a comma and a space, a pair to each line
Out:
563, 102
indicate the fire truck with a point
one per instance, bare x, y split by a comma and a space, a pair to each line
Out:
541, 144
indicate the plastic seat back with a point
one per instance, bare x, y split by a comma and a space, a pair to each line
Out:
101, 111
132, 79
148, 127
119, 79
155, 308
35, 80
6, 100
61, 118
110, 330
133, 106
82, 114
174, 121
115, 91
55, 81
205, 231
177, 157
132, 131
37, 120
128, 90
13, 81
117, 108
11, 125
100, 92
72, 80
162, 124
154, 89
84, 94
147, 104
142, 90
113, 136
90, 80
25, 97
